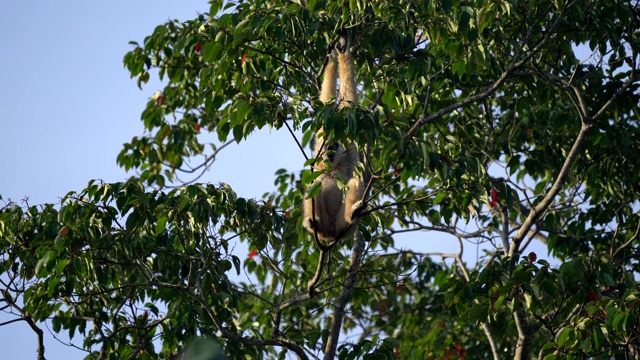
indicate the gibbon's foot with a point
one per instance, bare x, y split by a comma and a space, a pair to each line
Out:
357, 208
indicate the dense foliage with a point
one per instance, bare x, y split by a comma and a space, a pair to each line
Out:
486, 122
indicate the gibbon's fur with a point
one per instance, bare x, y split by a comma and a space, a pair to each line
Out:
331, 214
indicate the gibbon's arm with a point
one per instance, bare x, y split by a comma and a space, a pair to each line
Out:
348, 91
328, 89
327, 92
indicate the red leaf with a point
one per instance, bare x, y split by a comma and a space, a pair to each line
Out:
198, 127
381, 306
64, 232
494, 197
591, 296
287, 213
198, 47
532, 257
166, 132
253, 253
159, 100
244, 57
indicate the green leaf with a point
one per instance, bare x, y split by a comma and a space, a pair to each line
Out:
446, 5
61, 265
439, 197
563, 336
314, 190
619, 320
238, 133
237, 264
212, 51
41, 264
132, 221
161, 225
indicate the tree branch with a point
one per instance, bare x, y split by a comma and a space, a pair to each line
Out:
504, 212
524, 334
485, 324
26, 317
345, 296
537, 210
587, 123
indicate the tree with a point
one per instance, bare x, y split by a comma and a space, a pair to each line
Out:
494, 122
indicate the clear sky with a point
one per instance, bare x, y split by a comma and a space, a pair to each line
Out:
67, 105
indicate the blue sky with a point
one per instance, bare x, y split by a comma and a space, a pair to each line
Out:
67, 105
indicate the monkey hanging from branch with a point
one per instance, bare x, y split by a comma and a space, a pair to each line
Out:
332, 214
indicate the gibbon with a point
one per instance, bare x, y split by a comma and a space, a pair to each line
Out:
332, 214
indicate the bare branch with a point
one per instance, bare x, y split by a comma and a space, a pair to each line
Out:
206, 165
524, 335
345, 296
27, 317
537, 210
492, 340
504, 212
485, 325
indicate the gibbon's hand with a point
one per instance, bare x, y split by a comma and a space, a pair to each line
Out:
332, 45
356, 209
343, 45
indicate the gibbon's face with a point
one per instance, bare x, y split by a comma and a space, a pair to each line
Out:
336, 154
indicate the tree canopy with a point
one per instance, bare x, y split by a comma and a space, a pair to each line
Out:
498, 123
